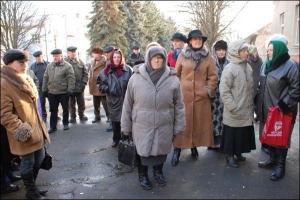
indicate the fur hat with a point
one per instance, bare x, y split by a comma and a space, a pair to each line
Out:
221, 44
23, 132
14, 54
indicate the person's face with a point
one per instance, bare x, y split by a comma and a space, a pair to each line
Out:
39, 59
117, 58
108, 55
156, 62
221, 53
270, 51
244, 53
136, 51
19, 67
196, 42
56, 58
96, 56
72, 54
178, 44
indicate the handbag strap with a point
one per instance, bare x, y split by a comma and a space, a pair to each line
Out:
117, 82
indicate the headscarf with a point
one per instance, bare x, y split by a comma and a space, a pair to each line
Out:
111, 65
253, 53
279, 48
156, 74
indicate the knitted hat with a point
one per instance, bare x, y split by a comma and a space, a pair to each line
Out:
221, 44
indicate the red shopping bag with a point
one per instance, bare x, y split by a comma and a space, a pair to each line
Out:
277, 128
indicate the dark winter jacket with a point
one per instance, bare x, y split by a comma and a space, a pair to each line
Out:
278, 87
81, 74
39, 70
115, 89
135, 59
58, 79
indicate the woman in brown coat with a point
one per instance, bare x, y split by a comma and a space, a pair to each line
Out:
198, 78
26, 130
97, 65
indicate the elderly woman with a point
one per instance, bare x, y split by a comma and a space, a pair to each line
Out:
236, 89
112, 81
279, 86
153, 111
198, 77
26, 130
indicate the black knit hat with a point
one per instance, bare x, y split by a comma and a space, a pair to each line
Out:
179, 36
196, 33
221, 44
136, 47
14, 54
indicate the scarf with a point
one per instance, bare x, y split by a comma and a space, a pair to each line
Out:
195, 54
155, 74
279, 49
111, 66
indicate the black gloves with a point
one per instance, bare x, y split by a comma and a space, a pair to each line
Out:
45, 93
69, 93
284, 107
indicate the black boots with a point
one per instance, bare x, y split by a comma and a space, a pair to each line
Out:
96, 119
35, 173
143, 177
280, 164
176, 155
194, 153
230, 160
158, 175
31, 190
271, 162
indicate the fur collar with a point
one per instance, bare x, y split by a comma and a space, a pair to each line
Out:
189, 53
25, 84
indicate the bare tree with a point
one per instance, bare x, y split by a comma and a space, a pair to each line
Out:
20, 25
207, 16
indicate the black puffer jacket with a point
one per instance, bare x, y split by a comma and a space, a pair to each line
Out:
115, 91
278, 87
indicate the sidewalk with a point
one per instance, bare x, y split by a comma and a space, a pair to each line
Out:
85, 166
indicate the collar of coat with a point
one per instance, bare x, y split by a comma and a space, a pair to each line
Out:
141, 69
189, 53
26, 85
69, 60
100, 62
280, 60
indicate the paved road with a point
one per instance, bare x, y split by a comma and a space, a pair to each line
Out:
85, 166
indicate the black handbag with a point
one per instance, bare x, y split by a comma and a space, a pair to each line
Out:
127, 152
47, 162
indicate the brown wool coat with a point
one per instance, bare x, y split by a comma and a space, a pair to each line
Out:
197, 89
18, 106
94, 71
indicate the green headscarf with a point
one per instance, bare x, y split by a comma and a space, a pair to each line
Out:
279, 48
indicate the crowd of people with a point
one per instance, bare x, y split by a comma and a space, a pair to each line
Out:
190, 97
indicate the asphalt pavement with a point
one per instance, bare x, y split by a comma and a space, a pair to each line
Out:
85, 166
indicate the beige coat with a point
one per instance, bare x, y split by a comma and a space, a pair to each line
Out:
18, 110
197, 88
94, 71
153, 113
236, 89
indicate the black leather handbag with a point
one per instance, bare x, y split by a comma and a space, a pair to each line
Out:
47, 162
127, 152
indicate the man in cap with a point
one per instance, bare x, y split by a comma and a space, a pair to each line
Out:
58, 86
178, 40
81, 79
39, 68
135, 57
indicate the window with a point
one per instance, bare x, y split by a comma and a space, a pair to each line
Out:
282, 23
297, 25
